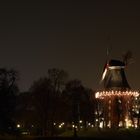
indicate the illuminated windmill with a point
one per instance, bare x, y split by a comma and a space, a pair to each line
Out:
116, 97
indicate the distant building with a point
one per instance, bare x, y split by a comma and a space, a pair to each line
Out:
116, 99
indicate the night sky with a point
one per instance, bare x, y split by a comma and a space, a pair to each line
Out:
71, 36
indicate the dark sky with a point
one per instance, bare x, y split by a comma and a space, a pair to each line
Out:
72, 36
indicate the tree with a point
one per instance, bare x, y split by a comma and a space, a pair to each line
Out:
42, 99
46, 97
26, 115
58, 79
79, 103
8, 92
73, 92
86, 107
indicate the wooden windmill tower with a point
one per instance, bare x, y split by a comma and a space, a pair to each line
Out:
116, 96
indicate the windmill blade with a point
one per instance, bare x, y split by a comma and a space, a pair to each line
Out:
104, 74
127, 57
104, 71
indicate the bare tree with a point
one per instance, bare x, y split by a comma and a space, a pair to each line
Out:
8, 92
41, 95
58, 78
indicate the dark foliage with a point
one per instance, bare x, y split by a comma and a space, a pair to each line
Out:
8, 92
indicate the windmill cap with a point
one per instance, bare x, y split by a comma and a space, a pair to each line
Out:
116, 63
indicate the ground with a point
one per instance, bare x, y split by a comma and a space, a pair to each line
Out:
106, 134
125, 134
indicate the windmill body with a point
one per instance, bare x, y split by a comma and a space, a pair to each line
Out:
115, 101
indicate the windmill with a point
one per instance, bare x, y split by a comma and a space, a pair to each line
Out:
116, 98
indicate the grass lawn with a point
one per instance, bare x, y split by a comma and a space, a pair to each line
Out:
92, 133
106, 134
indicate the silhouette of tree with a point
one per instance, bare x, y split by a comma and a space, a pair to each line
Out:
73, 92
26, 115
58, 79
42, 100
46, 97
86, 107
8, 92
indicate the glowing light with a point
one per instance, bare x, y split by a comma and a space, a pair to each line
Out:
121, 101
60, 126
97, 95
137, 111
74, 126
136, 126
96, 113
101, 125
109, 124
103, 94
80, 121
120, 124
18, 125
128, 123
62, 123
89, 124
25, 133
